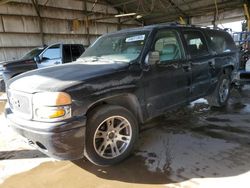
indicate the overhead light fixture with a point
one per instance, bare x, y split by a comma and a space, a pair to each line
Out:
139, 16
125, 15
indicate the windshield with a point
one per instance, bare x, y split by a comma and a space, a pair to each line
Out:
120, 48
33, 53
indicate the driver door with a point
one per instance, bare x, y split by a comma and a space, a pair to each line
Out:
51, 56
167, 83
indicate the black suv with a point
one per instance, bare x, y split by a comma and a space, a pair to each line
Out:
95, 106
39, 57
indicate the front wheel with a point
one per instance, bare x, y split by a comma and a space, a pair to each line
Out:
110, 135
221, 93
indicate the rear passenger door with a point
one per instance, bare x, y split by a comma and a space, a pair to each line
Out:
199, 60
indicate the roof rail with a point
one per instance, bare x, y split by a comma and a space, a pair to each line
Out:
189, 25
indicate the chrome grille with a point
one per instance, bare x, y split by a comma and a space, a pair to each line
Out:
20, 103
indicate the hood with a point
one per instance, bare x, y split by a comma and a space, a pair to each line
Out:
61, 77
18, 63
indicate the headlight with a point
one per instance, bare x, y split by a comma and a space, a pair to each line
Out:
51, 106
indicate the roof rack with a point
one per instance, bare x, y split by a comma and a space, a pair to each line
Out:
179, 24
192, 25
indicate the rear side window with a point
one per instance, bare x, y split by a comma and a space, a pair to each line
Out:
196, 44
221, 42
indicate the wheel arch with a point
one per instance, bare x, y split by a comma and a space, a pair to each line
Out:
16, 74
128, 101
227, 69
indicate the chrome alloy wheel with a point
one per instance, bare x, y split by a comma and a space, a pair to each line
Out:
112, 137
224, 90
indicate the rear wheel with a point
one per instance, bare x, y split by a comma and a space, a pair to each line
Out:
221, 93
110, 135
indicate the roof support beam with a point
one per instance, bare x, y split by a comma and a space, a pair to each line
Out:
177, 8
124, 3
86, 20
116, 6
4, 1
36, 6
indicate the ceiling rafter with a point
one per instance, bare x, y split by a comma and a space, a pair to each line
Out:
119, 9
4, 1
177, 8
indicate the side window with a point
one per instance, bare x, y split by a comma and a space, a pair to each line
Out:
75, 52
52, 52
221, 42
167, 43
66, 54
196, 44
81, 49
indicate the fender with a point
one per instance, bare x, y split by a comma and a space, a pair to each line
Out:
126, 100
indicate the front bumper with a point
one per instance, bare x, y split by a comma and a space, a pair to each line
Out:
60, 140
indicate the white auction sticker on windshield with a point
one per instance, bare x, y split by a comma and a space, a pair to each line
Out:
135, 38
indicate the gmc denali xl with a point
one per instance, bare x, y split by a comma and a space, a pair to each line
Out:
95, 106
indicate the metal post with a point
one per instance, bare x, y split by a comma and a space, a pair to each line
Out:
35, 4
247, 16
86, 20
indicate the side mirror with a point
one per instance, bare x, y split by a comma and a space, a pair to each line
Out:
153, 58
37, 59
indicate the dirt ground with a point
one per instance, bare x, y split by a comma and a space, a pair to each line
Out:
195, 146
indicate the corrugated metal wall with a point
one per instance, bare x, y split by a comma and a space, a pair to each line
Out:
61, 21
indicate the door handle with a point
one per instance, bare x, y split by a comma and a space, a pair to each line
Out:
211, 64
187, 67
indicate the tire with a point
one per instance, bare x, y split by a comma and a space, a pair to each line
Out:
108, 140
221, 93
2, 86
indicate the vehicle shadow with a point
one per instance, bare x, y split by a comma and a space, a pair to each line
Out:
21, 154
132, 170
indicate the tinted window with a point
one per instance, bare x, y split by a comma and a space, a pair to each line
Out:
53, 52
66, 54
196, 44
76, 51
168, 45
221, 42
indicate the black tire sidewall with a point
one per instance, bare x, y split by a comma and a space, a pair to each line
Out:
223, 77
94, 120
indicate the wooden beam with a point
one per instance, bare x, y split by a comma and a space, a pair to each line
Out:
116, 6
177, 8
247, 16
4, 1
86, 20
